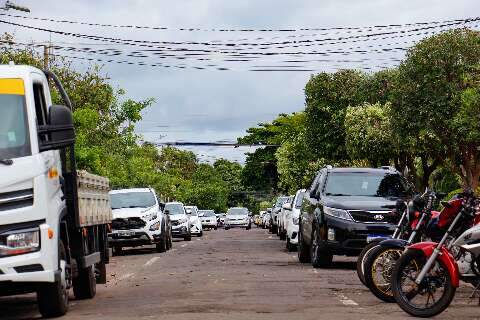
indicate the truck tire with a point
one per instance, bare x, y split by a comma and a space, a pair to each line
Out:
53, 297
101, 272
320, 257
85, 285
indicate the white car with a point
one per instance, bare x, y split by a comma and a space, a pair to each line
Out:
181, 225
291, 219
195, 221
266, 219
281, 229
237, 218
208, 218
137, 220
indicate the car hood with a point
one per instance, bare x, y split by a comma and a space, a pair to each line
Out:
175, 217
359, 203
130, 212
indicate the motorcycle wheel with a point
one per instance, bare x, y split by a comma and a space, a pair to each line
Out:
379, 266
361, 261
432, 296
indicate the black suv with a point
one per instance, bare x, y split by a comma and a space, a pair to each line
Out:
344, 208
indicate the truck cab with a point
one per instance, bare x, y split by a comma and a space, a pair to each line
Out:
49, 240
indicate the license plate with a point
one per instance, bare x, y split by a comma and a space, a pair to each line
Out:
372, 237
126, 233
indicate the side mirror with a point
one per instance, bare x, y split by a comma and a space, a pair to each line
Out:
287, 206
59, 132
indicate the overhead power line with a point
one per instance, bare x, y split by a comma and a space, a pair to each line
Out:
233, 44
231, 29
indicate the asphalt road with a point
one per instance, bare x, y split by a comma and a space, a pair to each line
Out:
234, 274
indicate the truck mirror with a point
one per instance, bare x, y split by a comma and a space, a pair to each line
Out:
59, 132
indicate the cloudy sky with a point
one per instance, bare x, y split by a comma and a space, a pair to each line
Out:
210, 104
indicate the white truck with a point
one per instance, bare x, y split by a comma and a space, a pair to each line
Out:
54, 219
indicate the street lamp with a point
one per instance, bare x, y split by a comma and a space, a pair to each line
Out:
10, 5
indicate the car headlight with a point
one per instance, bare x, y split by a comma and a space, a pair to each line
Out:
182, 220
20, 242
295, 220
337, 213
150, 216
155, 226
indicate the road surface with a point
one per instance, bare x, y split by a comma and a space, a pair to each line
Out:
234, 274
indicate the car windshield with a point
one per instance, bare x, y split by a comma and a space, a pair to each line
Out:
365, 184
132, 200
192, 211
237, 212
280, 201
299, 200
14, 136
208, 213
175, 208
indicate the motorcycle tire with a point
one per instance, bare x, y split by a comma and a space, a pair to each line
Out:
361, 261
403, 299
379, 265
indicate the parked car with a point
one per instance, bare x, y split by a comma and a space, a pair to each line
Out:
181, 225
274, 214
291, 219
192, 212
221, 220
238, 217
281, 229
209, 219
344, 208
266, 219
137, 220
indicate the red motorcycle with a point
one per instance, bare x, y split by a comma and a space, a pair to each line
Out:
425, 278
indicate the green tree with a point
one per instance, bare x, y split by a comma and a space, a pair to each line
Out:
437, 97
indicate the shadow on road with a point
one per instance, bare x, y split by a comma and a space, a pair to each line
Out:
19, 307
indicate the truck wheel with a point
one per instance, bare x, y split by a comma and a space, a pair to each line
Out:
320, 258
162, 245
53, 297
303, 251
101, 272
85, 285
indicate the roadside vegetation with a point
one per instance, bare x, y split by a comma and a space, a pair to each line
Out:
422, 117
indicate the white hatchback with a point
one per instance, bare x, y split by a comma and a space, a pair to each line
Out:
291, 219
192, 212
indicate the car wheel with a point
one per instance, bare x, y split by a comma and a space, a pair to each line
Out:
200, 234
214, 228
303, 251
290, 246
162, 245
320, 257
188, 237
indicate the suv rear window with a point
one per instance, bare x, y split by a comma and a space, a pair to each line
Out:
365, 184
